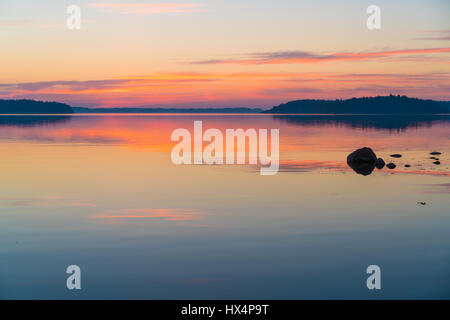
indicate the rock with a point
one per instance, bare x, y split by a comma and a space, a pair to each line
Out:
437, 162
362, 161
434, 158
421, 203
407, 165
391, 165
364, 168
435, 153
379, 163
362, 155
396, 155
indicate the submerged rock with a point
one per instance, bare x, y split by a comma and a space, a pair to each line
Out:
407, 165
437, 162
435, 153
421, 203
379, 163
391, 165
364, 168
396, 155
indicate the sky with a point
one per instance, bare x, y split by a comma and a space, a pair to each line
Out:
222, 53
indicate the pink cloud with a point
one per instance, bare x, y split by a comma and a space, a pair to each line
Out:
309, 57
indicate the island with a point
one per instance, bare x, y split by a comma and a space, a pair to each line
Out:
367, 105
33, 107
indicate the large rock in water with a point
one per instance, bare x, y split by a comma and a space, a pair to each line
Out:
362, 155
362, 161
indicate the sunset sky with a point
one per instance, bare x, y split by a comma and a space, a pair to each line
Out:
222, 53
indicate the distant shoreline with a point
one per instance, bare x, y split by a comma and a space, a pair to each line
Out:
381, 105
226, 114
168, 110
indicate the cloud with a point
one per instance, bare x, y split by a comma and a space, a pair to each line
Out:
108, 85
73, 85
126, 84
28, 23
284, 57
437, 35
221, 89
289, 90
147, 213
146, 8
14, 23
47, 202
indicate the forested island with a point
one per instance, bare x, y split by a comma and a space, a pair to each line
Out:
371, 105
33, 107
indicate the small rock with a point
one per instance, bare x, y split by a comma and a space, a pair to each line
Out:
421, 203
407, 166
379, 164
396, 155
437, 162
435, 153
391, 165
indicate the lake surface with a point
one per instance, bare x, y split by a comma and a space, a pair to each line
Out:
101, 192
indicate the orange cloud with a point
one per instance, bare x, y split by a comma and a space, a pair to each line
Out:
220, 89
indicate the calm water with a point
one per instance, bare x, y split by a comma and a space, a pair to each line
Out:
101, 192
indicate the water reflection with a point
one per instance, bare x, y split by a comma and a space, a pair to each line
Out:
386, 122
30, 121
307, 142
101, 192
